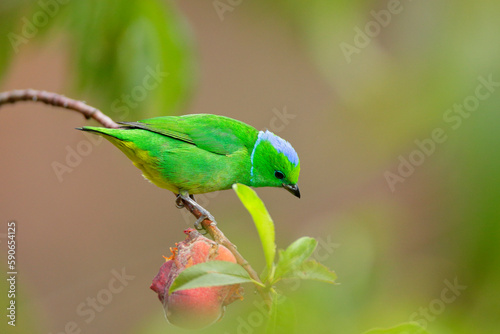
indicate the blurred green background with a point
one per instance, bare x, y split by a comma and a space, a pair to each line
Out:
393, 107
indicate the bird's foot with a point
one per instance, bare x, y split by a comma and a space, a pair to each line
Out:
199, 227
178, 202
205, 214
202, 218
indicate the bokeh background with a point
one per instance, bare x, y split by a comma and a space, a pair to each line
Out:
355, 86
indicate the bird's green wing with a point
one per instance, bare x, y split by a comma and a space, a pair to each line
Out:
213, 133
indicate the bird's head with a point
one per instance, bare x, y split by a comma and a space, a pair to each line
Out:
274, 163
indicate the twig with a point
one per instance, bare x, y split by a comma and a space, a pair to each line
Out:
57, 100
221, 239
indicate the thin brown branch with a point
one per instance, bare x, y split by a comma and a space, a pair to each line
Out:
221, 239
57, 100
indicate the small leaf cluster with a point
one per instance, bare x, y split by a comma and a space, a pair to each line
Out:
293, 262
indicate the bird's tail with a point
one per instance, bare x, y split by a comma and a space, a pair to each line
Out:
105, 132
121, 138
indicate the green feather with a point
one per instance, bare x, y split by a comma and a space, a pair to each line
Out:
216, 134
198, 153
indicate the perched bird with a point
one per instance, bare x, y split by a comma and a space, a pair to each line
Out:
200, 153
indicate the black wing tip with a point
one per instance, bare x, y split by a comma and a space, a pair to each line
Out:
88, 129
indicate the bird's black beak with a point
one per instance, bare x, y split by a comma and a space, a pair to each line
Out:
293, 188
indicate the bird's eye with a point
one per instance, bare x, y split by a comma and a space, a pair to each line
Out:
279, 175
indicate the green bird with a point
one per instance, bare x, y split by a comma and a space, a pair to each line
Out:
200, 153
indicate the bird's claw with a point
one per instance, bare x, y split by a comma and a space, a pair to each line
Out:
179, 204
201, 219
183, 199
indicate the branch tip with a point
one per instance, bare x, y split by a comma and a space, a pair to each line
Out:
57, 100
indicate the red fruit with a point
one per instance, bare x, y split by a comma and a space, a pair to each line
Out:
200, 307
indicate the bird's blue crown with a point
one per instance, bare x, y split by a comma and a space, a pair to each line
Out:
281, 145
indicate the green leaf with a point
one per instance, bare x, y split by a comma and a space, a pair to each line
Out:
262, 220
212, 273
406, 328
312, 270
295, 255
